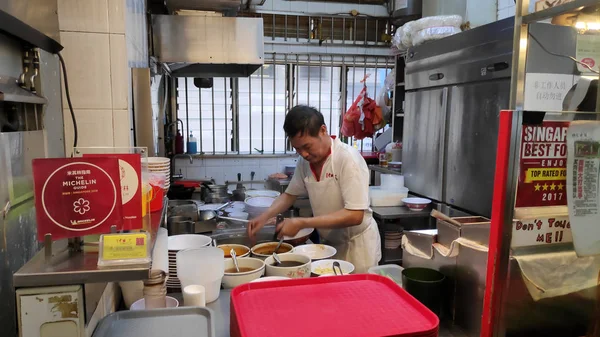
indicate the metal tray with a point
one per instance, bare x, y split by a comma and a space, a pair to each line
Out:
183, 322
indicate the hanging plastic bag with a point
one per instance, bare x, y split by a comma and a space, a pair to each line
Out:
353, 114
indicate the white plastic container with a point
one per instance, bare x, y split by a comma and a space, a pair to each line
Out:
381, 197
392, 181
203, 266
389, 270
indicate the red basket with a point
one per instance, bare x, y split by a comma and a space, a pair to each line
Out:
344, 306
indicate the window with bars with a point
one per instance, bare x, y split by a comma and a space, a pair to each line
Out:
246, 115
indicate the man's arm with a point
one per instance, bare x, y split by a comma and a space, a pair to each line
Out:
281, 204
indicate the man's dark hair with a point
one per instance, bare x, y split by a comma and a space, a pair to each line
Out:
303, 119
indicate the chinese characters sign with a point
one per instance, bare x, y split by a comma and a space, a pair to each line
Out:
546, 92
541, 231
76, 197
542, 167
124, 246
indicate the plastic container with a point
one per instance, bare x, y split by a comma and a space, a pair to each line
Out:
332, 306
391, 271
203, 266
426, 285
392, 181
381, 197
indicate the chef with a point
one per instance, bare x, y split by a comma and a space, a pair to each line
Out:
336, 179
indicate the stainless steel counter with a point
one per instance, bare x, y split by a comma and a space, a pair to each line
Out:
385, 170
396, 212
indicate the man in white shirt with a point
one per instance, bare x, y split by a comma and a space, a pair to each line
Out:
336, 179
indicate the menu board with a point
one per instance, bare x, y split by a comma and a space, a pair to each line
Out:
543, 165
76, 196
130, 177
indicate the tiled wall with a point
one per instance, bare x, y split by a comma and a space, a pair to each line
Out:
506, 8
93, 34
222, 169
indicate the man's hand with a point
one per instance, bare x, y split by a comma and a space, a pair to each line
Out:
257, 224
289, 227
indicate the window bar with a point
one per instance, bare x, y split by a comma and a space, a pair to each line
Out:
354, 31
320, 80
262, 110
297, 92
344, 30
212, 92
187, 116
285, 29
273, 35
376, 31
235, 109
200, 115
297, 28
353, 87
362, 143
250, 111
366, 41
344, 92
332, 20
225, 107
375, 95
308, 88
331, 96
274, 100
290, 98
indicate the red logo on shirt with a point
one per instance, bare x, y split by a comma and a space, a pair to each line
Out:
328, 175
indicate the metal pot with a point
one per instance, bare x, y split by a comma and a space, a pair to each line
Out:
180, 225
216, 198
214, 191
175, 203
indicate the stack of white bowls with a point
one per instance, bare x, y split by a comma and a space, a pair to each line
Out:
182, 242
202, 266
256, 206
159, 165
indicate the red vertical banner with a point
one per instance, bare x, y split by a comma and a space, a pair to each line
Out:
76, 196
130, 177
543, 165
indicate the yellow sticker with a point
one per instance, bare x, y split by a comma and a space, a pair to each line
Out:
125, 246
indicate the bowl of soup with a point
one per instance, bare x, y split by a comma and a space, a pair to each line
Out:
250, 269
264, 250
240, 250
292, 266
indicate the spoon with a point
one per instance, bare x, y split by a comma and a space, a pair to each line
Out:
233, 256
337, 264
276, 258
278, 245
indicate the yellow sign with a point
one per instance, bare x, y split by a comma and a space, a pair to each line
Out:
125, 246
540, 174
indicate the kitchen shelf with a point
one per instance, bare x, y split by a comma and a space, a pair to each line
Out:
399, 212
573, 6
71, 268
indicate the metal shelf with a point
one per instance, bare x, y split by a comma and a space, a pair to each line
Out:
572, 6
68, 268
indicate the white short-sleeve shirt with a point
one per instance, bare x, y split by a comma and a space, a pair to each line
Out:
349, 167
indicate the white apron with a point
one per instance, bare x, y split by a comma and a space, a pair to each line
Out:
360, 245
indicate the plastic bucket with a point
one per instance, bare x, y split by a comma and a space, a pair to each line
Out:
426, 285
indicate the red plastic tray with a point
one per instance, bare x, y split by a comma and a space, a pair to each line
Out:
345, 306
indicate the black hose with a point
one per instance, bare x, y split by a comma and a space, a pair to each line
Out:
64, 70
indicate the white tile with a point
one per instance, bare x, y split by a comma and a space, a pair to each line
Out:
197, 162
182, 162
264, 162
88, 69
122, 128
215, 173
120, 78
213, 162
83, 16
251, 162
116, 16
195, 173
265, 171
94, 128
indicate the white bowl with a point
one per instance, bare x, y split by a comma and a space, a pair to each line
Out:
232, 280
316, 251
227, 248
301, 271
300, 238
187, 241
272, 245
141, 304
416, 204
270, 278
262, 193
203, 266
324, 267
239, 215
156, 160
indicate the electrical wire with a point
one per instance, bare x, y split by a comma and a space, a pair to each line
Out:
561, 55
64, 71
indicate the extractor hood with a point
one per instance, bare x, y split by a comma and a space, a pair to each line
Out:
208, 46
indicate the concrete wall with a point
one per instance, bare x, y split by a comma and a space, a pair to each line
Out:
93, 34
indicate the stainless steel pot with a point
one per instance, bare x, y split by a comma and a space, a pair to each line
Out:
181, 227
216, 190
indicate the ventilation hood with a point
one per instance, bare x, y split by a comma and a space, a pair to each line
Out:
208, 46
